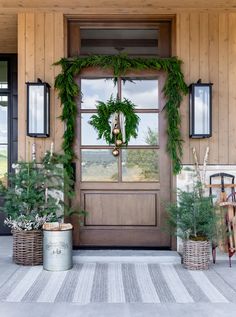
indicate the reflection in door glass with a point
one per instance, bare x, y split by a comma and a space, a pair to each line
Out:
3, 161
99, 166
113, 41
140, 165
3, 75
89, 135
142, 92
147, 130
94, 90
3, 119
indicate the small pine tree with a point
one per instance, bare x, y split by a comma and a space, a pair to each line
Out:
35, 194
194, 216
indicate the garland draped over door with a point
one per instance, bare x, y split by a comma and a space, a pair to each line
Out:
174, 88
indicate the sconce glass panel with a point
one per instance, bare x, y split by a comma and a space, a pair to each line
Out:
38, 109
200, 111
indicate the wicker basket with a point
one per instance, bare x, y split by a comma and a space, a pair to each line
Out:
196, 255
28, 247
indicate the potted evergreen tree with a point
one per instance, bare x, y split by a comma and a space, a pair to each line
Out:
33, 197
195, 221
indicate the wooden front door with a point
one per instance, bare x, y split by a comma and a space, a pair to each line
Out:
124, 196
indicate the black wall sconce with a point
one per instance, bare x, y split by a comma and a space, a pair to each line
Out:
38, 109
200, 110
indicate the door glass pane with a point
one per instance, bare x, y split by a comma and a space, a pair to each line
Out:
142, 92
89, 135
147, 130
94, 90
3, 118
114, 41
3, 75
99, 166
3, 161
140, 165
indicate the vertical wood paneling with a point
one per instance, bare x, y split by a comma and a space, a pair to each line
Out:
183, 52
49, 73
29, 66
8, 33
194, 67
21, 87
211, 56
217, 63
214, 78
40, 44
232, 88
39, 66
223, 90
58, 53
204, 68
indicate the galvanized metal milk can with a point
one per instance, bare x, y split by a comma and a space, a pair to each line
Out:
57, 246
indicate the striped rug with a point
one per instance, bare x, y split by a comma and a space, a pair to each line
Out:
117, 283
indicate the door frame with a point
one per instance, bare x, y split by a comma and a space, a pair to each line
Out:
11, 92
92, 234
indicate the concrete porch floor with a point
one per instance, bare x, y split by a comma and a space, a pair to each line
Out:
11, 309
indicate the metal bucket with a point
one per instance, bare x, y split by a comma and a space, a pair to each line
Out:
57, 248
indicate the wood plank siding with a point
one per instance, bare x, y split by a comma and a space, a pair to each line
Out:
115, 6
206, 42
8, 33
204, 35
40, 43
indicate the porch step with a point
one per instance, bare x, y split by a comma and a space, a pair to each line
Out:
126, 256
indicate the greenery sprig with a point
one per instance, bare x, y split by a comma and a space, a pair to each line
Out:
174, 89
100, 121
194, 216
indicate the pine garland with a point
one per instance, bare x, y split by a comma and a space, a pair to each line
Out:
174, 88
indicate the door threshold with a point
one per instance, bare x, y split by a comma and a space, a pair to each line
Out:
126, 256
87, 247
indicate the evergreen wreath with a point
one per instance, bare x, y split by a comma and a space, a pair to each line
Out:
100, 121
173, 90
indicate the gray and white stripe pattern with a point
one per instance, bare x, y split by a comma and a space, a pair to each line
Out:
117, 283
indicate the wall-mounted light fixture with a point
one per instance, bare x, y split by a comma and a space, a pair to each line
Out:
38, 109
200, 110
